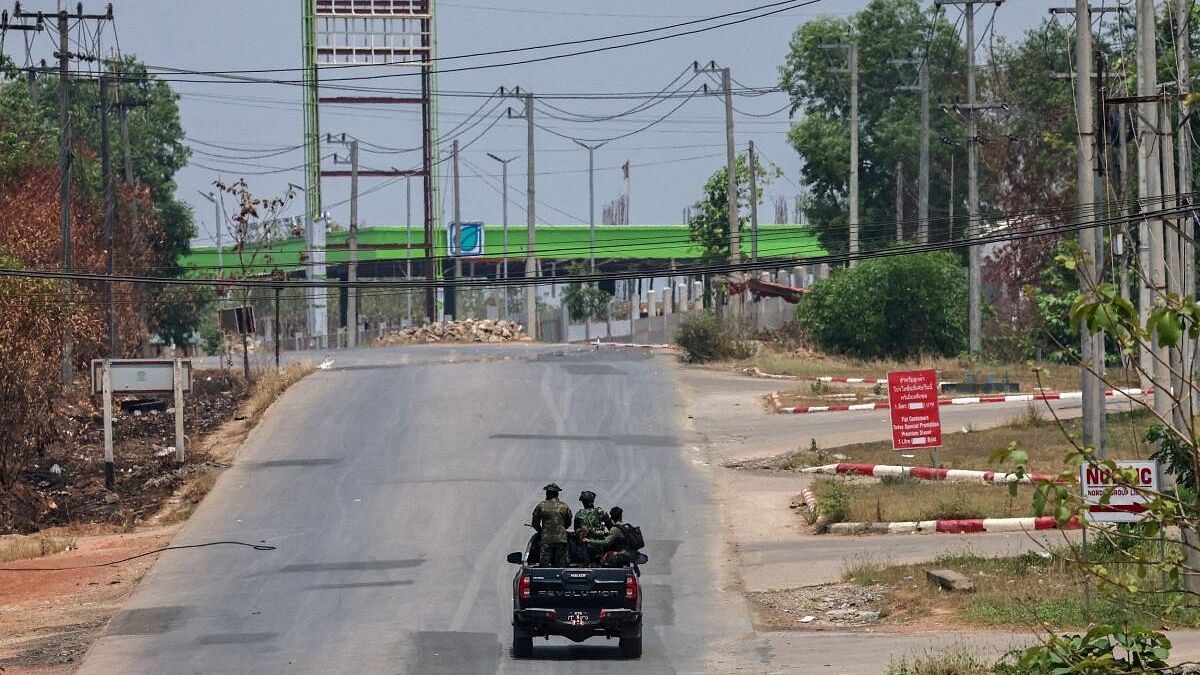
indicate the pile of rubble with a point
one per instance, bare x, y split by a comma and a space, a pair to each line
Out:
470, 330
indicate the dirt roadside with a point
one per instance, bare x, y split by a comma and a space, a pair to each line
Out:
53, 607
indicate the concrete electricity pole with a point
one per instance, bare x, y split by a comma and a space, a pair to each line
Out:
753, 204
591, 200
899, 201
110, 238
408, 246
972, 107
504, 216
351, 240
458, 239
731, 195
1153, 359
1187, 245
923, 174
64, 177
531, 263
1091, 346
852, 69
352, 244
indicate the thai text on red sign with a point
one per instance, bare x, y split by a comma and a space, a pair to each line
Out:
913, 400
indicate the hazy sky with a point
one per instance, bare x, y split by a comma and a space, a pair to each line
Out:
670, 161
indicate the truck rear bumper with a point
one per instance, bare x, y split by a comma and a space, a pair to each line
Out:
541, 622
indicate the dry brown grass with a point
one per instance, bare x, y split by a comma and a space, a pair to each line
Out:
1032, 430
19, 547
270, 384
910, 499
1033, 590
193, 492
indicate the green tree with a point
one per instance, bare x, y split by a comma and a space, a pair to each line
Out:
894, 307
585, 301
889, 117
709, 224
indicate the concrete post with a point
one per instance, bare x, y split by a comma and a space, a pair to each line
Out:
650, 309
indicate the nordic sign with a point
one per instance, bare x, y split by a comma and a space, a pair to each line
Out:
1127, 500
472, 239
913, 400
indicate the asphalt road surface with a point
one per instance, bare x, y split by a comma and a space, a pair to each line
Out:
394, 484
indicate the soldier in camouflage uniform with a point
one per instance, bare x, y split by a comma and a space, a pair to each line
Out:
612, 548
591, 521
551, 518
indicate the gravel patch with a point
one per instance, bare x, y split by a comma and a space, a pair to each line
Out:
821, 607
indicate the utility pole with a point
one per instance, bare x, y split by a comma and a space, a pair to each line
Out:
1187, 246
972, 107
408, 246
531, 263
753, 205
899, 201
731, 195
135, 233
591, 201
1091, 348
351, 239
352, 243
504, 216
852, 69
923, 174
1153, 359
110, 238
452, 299
64, 178
625, 169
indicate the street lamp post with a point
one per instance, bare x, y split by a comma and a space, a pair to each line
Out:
591, 200
504, 211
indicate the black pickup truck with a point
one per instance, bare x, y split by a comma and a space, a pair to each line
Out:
576, 603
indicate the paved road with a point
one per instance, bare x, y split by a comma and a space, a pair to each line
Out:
394, 484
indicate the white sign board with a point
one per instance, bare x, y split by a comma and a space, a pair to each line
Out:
143, 376
1127, 502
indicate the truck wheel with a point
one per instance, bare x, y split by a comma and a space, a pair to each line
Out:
631, 645
522, 644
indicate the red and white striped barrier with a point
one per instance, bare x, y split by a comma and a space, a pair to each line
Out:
964, 400
956, 526
928, 473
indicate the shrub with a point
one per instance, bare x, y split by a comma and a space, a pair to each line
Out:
703, 337
900, 307
833, 499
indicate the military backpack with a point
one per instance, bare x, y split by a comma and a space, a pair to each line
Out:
633, 536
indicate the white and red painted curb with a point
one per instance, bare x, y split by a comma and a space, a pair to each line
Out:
960, 400
928, 473
598, 343
956, 526
755, 372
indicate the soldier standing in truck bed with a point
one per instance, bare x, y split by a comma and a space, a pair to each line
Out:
551, 518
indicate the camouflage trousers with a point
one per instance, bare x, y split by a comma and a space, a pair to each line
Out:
553, 555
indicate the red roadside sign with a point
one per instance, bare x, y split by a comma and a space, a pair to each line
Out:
913, 399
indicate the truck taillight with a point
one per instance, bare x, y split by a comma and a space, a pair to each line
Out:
631, 588
523, 586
